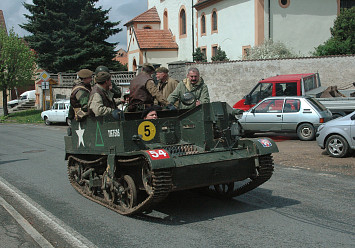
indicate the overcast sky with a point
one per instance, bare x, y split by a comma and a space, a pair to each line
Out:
121, 10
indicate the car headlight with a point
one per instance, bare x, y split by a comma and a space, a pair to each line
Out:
320, 128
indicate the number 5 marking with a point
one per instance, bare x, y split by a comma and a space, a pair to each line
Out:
147, 130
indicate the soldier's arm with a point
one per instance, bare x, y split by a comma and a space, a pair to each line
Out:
174, 96
205, 97
97, 106
83, 98
154, 91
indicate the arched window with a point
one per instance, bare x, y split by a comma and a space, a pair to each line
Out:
182, 22
203, 24
214, 21
134, 65
165, 20
147, 27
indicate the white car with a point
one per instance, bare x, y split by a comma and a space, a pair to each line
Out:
58, 113
337, 136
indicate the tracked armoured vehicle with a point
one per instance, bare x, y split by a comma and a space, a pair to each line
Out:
131, 164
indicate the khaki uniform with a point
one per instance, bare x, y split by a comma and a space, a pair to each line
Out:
166, 88
79, 99
100, 102
199, 89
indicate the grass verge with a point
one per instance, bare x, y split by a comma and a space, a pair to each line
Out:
28, 116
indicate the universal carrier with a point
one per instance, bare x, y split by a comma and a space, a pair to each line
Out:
131, 164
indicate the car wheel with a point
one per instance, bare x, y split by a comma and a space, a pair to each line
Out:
46, 121
337, 146
306, 132
68, 121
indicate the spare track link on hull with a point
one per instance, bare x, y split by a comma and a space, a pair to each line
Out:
161, 185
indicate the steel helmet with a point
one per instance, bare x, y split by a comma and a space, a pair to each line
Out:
101, 68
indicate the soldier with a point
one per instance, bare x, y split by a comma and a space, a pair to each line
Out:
166, 84
80, 96
193, 84
101, 98
114, 89
143, 90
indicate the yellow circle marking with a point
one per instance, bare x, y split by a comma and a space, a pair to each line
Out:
147, 130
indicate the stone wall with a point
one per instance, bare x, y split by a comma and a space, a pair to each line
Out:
230, 81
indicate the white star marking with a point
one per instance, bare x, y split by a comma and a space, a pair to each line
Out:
80, 134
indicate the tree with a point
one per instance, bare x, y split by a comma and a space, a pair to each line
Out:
220, 55
342, 40
70, 35
17, 64
269, 49
199, 55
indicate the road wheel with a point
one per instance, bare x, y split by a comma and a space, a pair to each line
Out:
337, 146
46, 121
124, 194
306, 132
68, 121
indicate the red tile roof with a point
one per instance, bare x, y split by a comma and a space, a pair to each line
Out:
150, 38
151, 15
2, 20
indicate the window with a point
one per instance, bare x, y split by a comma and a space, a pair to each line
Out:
203, 24
245, 51
347, 4
270, 106
291, 105
214, 21
284, 3
147, 27
165, 20
61, 106
182, 22
260, 92
214, 50
204, 51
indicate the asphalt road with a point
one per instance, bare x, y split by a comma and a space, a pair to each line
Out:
296, 208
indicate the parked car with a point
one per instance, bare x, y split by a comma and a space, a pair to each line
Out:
337, 137
25, 96
300, 114
58, 113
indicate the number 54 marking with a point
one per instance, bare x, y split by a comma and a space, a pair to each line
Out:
158, 154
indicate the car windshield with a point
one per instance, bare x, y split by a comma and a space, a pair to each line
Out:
317, 105
261, 91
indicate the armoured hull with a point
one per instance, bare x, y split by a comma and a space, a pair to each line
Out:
131, 164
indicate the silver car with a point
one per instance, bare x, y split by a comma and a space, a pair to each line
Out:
338, 136
300, 114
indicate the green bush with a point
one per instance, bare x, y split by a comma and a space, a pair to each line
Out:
342, 40
269, 49
220, 55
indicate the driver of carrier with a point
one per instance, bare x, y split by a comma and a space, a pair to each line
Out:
193, 84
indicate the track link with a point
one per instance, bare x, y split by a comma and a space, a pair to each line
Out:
161, 185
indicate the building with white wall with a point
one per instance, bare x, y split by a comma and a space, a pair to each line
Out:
236, 25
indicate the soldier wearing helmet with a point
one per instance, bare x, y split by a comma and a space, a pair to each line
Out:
79, 96
115, 89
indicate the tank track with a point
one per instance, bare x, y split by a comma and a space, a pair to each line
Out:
264, 173
161, 185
